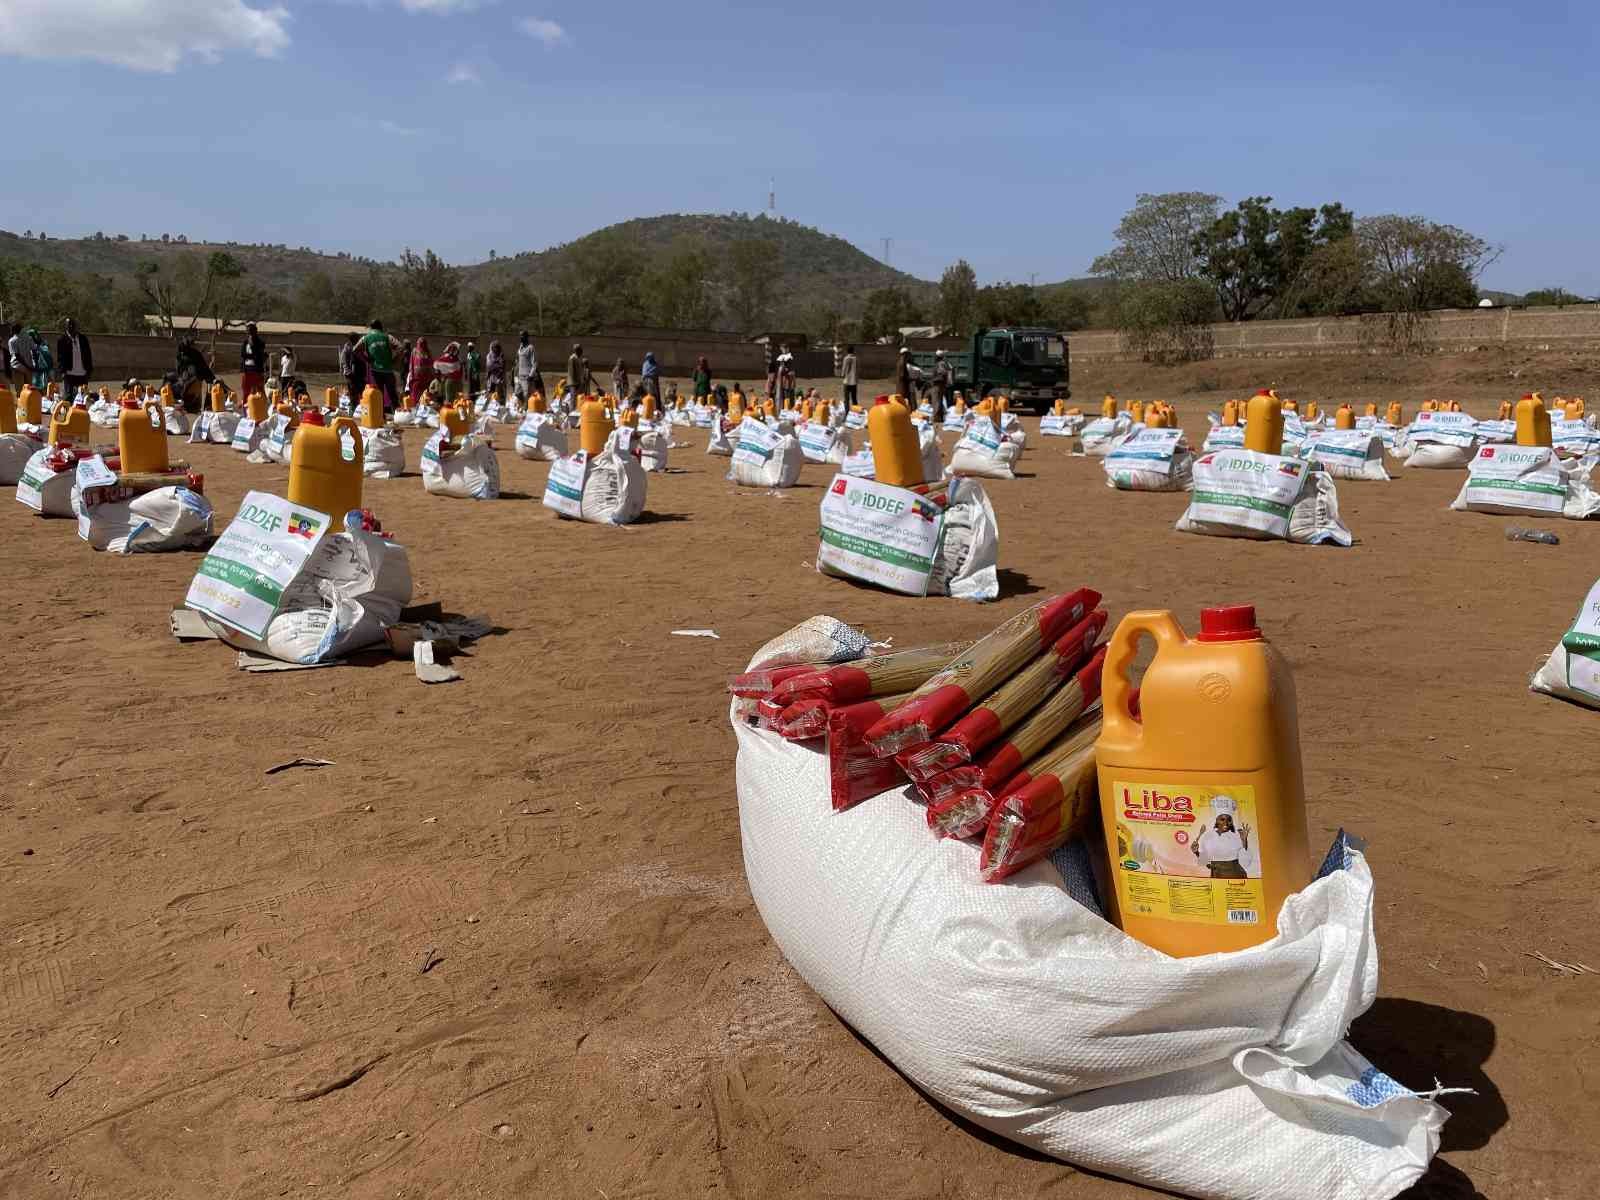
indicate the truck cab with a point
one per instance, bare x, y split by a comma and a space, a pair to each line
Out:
1030, 366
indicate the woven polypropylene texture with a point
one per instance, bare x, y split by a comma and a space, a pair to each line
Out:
1022, 1009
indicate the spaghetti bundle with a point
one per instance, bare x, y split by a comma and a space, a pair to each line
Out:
1053, 807
881, 675
854, 771
989, 663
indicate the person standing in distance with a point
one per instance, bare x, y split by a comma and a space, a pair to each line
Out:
378, 348
847, 373
74, 359
252, 363
19, 356
577, 374
527, 367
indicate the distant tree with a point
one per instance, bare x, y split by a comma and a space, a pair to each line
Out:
1413, 266
356, 298
188, 288
1068, 308
1009, 304
885, 310
752, 268
679, 291
958, 298
504, 309
314, 298
423, 294
1553, 296
224, 293
1256, 254
1167, 321
1156, 238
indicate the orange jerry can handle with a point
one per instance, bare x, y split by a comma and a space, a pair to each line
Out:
1116, 690
60, 412
153, 411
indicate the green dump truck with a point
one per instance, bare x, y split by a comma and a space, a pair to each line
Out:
1030, 366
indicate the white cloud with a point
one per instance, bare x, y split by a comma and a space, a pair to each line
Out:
397, 129
547, 32
463, 73
441, 6
146, 35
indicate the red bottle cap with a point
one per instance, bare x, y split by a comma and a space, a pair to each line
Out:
1229, 623
314, 417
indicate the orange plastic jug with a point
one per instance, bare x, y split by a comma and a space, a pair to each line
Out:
629, 418
1533, 421
961, 404
896, 449
1059, 408
325, 467
330, 397
1345, 417
1263, 424
142, 439
1108, 406
1201, 795
1290, 405
1455, 406
256, 407
69, 425
1003, 404
807, 407
166, 396
1394, 414
1505, 413
1155, 418
286, 409
1136, 411
593, 427
30, 405
648, 407
1430, 406
1369, 409
372, 407
1230, 413
536, 403
455, 420
8, 410
823, 413
1312, 411
1575, 408
219, 396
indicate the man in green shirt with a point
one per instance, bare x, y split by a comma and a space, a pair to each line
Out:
378, 348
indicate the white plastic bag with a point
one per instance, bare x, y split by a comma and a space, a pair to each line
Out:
176, 421
1017, 1006
932, 460
383, 453
1244, 493
1572, 671
1348, 454
1098, 437
764, 457
471, 472
539, 437
219, 429
348, 592
15, 451
1150, 460
719, 444
169, 518
984, 452
966, 566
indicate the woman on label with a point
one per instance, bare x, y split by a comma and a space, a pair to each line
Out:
1220, 848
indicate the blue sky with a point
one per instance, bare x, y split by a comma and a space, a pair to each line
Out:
1014, 135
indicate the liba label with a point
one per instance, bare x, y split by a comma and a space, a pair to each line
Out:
1188, 853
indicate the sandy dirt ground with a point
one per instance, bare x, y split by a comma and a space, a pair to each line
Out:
212, 979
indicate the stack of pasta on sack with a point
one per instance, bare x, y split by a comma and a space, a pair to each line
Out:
997, 735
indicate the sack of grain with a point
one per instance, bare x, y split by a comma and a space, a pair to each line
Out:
169, 518
763, 457
1496, 433
1150, 460
1066, 425
1572, 671
984, 452
613, 489
956, 422
540, 438
105, 414
967, 564
932, 460
1224, 437
15, 451
1224, 1076
468, 470
1347, 454
1574, 438
278, 444
43, 488
1098, 437
217, 428
821, 443
281, 582
719, 442
1530, 481
176, 420
1244, 493
654, 443
383, 453
1441, 440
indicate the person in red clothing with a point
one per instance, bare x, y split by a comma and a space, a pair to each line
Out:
421, 371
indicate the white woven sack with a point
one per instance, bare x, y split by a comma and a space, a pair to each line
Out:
719, 443
614, 489
1348, 454
177, 421
780, 469
15, 451
653, 447
105, 414
471, 473
1097, 437
967, 564
221, 426
1015, 1005
1439, 456
1247, 494
169, 518
350, 590
540, 437
383, 453
47, 492
1529, 481
1150, 460
932, 459
1572, 671
984, 452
